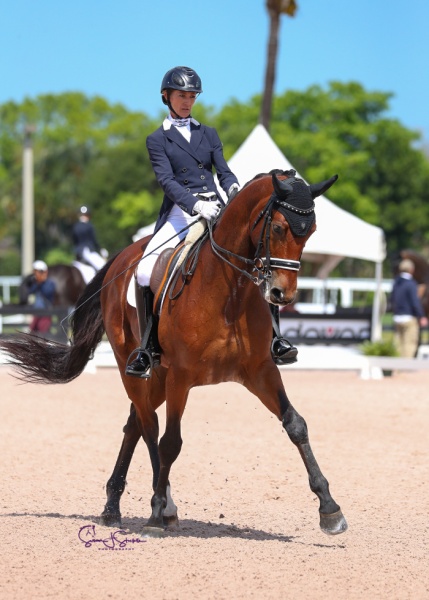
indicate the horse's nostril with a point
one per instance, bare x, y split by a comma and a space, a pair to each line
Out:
277, 296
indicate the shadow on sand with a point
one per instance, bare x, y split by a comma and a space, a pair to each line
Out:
188, 528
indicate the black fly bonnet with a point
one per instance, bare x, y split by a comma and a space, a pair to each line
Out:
295, 200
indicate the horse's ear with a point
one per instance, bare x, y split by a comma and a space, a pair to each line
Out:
281, 187
317, 189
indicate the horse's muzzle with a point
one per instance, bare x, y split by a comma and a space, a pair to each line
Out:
280, 296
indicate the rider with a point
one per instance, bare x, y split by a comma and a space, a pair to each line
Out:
183, 153
86, 246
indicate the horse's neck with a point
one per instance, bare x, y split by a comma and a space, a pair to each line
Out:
232, 235
233, 232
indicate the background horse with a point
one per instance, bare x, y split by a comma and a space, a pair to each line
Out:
69, 285
218, 329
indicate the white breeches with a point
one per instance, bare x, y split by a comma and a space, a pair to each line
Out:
167, 237
93, 258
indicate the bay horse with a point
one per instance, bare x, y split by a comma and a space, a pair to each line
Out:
69, 285
219, 329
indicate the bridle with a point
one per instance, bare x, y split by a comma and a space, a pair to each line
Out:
263, 266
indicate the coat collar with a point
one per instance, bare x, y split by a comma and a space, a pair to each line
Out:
167, 124
196, 136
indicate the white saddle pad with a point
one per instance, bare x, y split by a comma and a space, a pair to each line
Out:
194, 233
131, 292
86, 271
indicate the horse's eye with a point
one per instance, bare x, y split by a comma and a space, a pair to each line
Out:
277, 229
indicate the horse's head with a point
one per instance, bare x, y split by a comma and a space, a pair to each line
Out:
280, 232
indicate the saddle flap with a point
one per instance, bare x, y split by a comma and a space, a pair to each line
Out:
162, 270
170, 260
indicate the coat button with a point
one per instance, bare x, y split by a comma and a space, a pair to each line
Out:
200, 166
186, 182
205, 188
202, 176
184, 170
188, 189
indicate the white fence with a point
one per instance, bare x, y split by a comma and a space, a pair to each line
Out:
6, 283
333, 291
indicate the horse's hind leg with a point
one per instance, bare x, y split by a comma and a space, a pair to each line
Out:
271, 392
111, 515
133, 430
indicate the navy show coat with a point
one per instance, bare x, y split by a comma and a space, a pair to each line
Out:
405, 299
184, 168
84, 237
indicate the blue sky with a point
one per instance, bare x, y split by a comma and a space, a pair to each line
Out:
120, 49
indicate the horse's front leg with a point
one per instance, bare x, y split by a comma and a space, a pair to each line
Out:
269, 389
332, 520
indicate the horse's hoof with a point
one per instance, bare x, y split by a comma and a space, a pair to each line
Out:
152, 532
171, 522
333, 524
111, 519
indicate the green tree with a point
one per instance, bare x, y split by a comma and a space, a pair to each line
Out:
75, 136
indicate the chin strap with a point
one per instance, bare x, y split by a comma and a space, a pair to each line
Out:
176, 116
175, 113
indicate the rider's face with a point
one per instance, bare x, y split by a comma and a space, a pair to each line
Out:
40, 275
182, 102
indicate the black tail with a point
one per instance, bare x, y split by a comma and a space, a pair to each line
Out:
44, 361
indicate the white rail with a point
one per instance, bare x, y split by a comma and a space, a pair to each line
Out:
6, 283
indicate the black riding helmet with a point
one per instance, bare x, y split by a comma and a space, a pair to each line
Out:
180, 78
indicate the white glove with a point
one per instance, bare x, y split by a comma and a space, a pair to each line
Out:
233, 191
208, 210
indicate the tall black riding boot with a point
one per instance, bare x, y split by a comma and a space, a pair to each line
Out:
148, 354
282, 351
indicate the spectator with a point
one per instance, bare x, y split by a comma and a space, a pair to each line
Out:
407, 309
43, 289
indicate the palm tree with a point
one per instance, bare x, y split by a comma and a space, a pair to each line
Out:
275, 9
